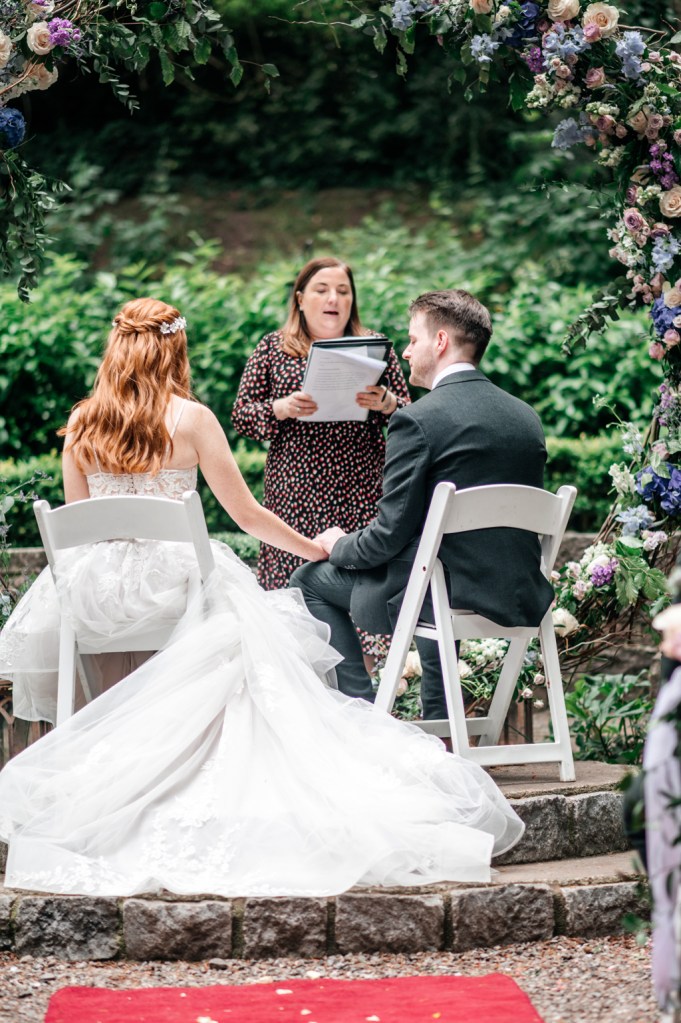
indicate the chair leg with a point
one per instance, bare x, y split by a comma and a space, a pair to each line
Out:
456, 710
66, 683
503, 691
556, 697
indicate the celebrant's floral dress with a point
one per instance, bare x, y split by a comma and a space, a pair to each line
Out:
223, 764
317, 475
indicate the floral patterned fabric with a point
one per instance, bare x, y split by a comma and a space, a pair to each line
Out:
317, 474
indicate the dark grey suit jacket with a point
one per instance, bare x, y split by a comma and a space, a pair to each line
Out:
471, 433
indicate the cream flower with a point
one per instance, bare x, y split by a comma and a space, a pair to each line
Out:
604, 16
5, 49
563, 622
38, 38
672, 297
563, 10
670, 202
412, 665
465, 670
481, 6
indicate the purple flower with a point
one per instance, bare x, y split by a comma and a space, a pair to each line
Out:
635, 519
483, 47
562, 42
534, 59
665, 249
603, 574
63, 32
569, 133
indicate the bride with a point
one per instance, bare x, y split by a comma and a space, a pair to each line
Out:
223, 764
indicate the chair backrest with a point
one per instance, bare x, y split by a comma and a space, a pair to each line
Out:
126, 517
501, 505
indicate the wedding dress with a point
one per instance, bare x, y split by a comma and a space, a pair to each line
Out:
223, 764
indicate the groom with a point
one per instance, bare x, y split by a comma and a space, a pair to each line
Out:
466, 431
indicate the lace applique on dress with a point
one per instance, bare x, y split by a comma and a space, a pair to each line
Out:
172, 483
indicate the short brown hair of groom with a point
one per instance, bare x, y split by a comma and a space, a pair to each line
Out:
459, 313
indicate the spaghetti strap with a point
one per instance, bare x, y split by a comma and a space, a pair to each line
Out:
177, 420
99, 468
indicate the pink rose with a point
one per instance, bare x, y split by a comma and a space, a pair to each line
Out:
656, 351
670, 202
592, 32
671, 338
481, 6
657, 282
661, 449
634, 221
659, 230
594, 78
677, 136
621, 131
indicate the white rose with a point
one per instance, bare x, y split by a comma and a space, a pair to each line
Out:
563, 10
402, 687
412, 665
38, 38
605, 16
670, 202
5, 49
44, 78
672, 297
465, 670
563, 622
600, 562
481, 6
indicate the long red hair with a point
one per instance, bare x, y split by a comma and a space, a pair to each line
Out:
122, 424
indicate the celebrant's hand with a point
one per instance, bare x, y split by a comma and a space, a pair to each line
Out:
328, 538
377, 399
295, 405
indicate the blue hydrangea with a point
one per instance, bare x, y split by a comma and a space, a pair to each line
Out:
562, 42
12, 127
403, 12
635, 519
666, 492
525, 28
664, 250
403, 15
483, 47
630, 49
662, 316
569, 133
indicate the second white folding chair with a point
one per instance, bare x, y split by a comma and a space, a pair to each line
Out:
119, 518
458, 512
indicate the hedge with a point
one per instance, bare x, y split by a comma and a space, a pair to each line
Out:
583, 462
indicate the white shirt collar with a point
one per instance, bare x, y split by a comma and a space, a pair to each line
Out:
456, 367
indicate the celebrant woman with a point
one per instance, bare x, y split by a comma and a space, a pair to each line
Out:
223, 764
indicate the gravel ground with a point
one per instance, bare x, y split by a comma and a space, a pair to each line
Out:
569, 980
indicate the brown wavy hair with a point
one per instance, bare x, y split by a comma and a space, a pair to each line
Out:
296, 338
122, 424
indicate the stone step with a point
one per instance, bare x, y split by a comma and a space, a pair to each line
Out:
583, 897
565, 819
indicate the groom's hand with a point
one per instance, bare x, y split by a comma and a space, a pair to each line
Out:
328, 538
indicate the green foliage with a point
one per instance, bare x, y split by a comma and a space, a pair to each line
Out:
244, 546
608, 717
583, 462
50, 348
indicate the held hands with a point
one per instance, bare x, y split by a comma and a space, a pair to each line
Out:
328, 538
295, 405
377, 399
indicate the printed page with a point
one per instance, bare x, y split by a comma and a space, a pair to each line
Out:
333, 378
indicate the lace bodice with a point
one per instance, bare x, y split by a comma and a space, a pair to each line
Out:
171, 483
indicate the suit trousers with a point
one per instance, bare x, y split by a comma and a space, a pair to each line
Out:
328, 590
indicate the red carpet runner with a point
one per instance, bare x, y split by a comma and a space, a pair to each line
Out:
493, 999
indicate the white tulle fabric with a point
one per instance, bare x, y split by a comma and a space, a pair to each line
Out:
223, 765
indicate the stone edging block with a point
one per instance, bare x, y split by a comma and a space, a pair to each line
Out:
156, 929
389, 923
282, 927
6, 902
482, 917
599, 909
70, 927
561, 827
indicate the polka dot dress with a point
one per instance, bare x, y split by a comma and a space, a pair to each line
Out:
316, 474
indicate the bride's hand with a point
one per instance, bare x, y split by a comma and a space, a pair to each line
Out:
328, 538
295, 405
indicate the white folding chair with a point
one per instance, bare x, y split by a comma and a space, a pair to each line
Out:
459, 512
119, 518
